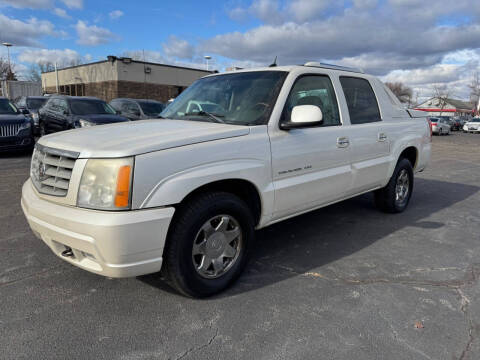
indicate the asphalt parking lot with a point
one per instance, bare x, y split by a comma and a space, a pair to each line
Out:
344, 282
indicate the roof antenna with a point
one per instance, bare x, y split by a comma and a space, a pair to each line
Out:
274, 63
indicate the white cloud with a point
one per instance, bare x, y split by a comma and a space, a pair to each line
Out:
61, 13
73, 4
180, 48
115, 14
26, 33
304, 10
93, 35
29, 4
63, 57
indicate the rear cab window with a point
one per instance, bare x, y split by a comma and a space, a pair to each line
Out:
361, 100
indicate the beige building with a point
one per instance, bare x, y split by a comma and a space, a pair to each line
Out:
121, 77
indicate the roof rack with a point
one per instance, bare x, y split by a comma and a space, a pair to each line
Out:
333, 67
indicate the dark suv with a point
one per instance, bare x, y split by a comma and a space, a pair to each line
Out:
70, 112
15, 128
138, 109
32, 104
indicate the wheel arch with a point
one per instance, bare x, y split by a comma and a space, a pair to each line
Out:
241, 188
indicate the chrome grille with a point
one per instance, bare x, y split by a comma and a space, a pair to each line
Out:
9, 130
51, 170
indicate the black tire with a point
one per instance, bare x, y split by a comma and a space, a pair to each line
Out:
386, 198
179, 266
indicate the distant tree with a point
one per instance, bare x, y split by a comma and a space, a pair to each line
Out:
442, 93
35, 71
7, 72
403, 92
475, 88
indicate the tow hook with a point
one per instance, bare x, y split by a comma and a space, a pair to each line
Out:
68, 252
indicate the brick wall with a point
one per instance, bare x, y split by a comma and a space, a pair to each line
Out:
108, 90
139, 90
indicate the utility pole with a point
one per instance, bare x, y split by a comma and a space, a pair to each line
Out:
7, 45
207, 57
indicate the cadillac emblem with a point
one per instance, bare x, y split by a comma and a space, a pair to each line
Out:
41, 170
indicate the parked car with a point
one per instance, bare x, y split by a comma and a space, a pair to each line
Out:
440, 126
186, 193
69, 112
15, 127
32, 104
457, 124
472, 126
137, 109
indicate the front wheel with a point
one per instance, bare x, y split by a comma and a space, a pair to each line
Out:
208, 244
394, 197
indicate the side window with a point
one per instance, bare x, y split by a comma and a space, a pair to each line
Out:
62, 106
314, 90
361, 101
131, 107
116, 105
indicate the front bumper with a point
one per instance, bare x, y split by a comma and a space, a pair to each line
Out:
471, 129
18, 142
113, 244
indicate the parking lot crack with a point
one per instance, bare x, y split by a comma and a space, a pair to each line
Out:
201, 347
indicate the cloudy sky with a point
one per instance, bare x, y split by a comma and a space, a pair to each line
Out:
418, 42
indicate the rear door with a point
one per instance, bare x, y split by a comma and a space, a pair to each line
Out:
311, 166
370, 143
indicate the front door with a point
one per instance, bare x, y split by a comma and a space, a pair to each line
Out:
311, 166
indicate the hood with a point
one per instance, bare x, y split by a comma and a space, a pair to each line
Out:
473, 124
102, 118
6, 119
139, 137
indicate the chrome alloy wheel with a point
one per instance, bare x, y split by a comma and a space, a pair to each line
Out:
402, 187
217, 246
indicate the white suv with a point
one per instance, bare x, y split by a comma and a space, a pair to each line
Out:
185, 193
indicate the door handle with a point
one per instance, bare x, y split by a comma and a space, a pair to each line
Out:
382, 137
343, 142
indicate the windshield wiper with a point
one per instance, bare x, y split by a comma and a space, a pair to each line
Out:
215, 117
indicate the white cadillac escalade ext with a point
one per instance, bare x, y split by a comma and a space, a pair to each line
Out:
185, 193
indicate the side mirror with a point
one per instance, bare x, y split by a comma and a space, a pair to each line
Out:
118, 112
304, 116
25, 112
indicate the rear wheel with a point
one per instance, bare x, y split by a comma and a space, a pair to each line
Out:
208, 245
394, 197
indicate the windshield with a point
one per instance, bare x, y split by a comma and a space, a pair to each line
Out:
151, 107
6, 107
37, 103
89, 107
240, 98
475, 120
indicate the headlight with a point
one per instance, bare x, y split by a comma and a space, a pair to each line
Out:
85, 123
106, 184
25, 125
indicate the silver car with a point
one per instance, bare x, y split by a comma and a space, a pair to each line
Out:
440, 126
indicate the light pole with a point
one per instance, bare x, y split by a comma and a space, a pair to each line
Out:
207, 57
7, 45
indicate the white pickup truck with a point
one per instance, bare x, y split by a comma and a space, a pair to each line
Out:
184, 194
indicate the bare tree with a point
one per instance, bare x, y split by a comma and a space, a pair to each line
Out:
36, 70
442, 93
475, 88
7, 71
403, 92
